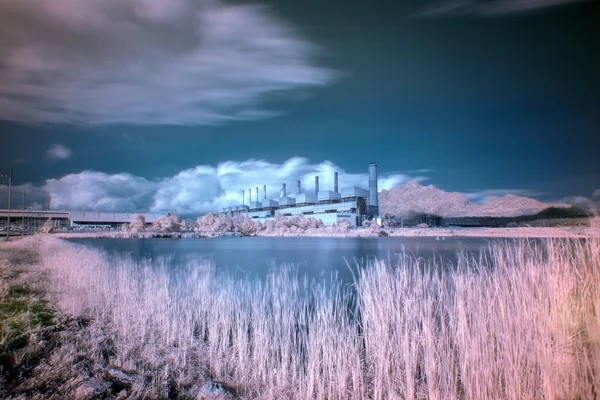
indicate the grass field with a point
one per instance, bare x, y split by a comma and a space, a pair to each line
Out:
520, 323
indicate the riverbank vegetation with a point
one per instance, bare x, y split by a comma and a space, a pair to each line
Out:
213, 225
521, 322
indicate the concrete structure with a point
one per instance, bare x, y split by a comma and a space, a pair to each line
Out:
373, 199
305, 199
352, 203
32, 220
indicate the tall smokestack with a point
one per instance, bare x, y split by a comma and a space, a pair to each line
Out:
257, 194
284, 191
298, 190
316, 185
243, 197
249, 195
373, 202
335, 182
265, 189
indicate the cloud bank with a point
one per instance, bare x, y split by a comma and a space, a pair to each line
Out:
58, 152
488, 8
481, 196
591, 203
90, 190
207, 188
201, 189
181, 62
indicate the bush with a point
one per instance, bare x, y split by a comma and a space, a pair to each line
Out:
168, 223
137, 224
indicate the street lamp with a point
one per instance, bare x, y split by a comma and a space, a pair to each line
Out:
7, 179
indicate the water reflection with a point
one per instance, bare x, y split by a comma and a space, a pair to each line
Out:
316, 257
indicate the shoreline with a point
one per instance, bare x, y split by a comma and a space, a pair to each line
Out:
516, 232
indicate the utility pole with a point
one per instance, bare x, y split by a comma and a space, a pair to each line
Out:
23, 215
8, 178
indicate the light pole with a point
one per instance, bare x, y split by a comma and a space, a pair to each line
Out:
8, 179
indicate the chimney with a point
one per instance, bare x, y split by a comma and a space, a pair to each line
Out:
284, 192
373, 201
257, 194
298, 190
265, 189
316, 185
249, 195
335, 182
243, 197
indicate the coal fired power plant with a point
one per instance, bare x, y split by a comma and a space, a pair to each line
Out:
351, 203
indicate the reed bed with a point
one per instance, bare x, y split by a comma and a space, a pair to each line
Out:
521, 322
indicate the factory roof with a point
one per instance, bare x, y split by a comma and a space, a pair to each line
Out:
354, 191
255, 204
94, 216
305, 198
287, 201
328, 195
270, 203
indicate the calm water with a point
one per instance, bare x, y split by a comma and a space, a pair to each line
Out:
316, 257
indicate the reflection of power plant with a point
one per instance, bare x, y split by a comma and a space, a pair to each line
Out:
351, 203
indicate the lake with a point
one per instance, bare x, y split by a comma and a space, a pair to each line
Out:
316, 257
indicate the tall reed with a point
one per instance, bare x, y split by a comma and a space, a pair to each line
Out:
522, 322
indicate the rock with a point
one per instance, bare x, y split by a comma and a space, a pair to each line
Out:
83, 365
91, 389
119, 379
383, 234
213, 390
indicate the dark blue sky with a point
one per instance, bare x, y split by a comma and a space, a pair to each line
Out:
470, 103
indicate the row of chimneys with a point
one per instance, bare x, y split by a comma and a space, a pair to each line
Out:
284, 192
298, 191
250, 194
372, 187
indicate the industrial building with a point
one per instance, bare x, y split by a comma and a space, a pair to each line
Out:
32, 220
352, 203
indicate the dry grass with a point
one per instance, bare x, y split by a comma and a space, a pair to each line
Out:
521, 323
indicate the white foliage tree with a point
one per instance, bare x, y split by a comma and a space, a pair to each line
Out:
246, 226
168, 223
48, 226
213, 223
137, 224
278, 226
343, 226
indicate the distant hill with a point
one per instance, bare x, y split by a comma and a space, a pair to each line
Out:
413, 198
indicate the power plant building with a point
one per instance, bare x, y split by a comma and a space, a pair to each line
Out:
353, 203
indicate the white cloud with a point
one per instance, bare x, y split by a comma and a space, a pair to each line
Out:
481, 196
183, 62
203, 188
58, 152
487, 8
579, 201
91, 190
